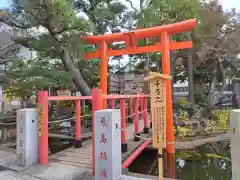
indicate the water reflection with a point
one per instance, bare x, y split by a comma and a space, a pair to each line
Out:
209, 162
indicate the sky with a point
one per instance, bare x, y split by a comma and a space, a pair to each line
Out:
228, 4
4, 3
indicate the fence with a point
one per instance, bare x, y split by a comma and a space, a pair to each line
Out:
137, 107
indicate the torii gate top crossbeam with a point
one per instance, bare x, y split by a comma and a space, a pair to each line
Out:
131, 40
170, 29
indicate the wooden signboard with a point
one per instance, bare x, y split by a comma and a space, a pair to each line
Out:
40, 120
157, 83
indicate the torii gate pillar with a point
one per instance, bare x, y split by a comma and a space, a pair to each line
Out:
166, 69
103, 70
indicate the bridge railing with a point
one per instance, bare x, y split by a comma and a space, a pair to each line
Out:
137, 109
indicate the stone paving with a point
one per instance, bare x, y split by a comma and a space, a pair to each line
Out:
11, 175
53, 171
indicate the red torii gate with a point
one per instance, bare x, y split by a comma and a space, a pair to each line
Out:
131, 41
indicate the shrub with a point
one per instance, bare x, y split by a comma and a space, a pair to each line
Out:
184, 131
221, 116
66, 104
87, 112
183, 115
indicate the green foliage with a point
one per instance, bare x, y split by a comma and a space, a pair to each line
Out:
204, 74
27, 77
222, 118
218, 157
216, 36
181, 107
184, 131
200, 97
62, 26
87, 112
66, 104
183, 102
220, 121
217, 30
90, 71
189, 155
183, 115
184, 154
161, 11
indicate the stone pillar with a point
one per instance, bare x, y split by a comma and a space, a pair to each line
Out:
108, 162
27, 137
235, 143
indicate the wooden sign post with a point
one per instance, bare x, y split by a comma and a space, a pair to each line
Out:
40, 120
158, 114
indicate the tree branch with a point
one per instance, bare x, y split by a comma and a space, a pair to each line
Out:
132, 6
222, 38
122, 26
4, 62
13, 24
63, 29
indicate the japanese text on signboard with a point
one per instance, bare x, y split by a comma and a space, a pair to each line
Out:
40, 120
157, 93
20, 143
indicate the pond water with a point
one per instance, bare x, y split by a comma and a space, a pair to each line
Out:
209, 162
56, 146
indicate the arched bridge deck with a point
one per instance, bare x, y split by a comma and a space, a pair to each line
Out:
82, 157
133, 107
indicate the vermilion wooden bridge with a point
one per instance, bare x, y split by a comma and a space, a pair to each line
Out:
131, 149
132, 135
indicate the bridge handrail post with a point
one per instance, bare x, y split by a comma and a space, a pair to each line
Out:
78, 140
112, 103
131, 107
141, 107
43, 126
123, 125
96, 105
145, 116
136, 123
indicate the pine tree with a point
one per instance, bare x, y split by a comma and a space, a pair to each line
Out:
62, 26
